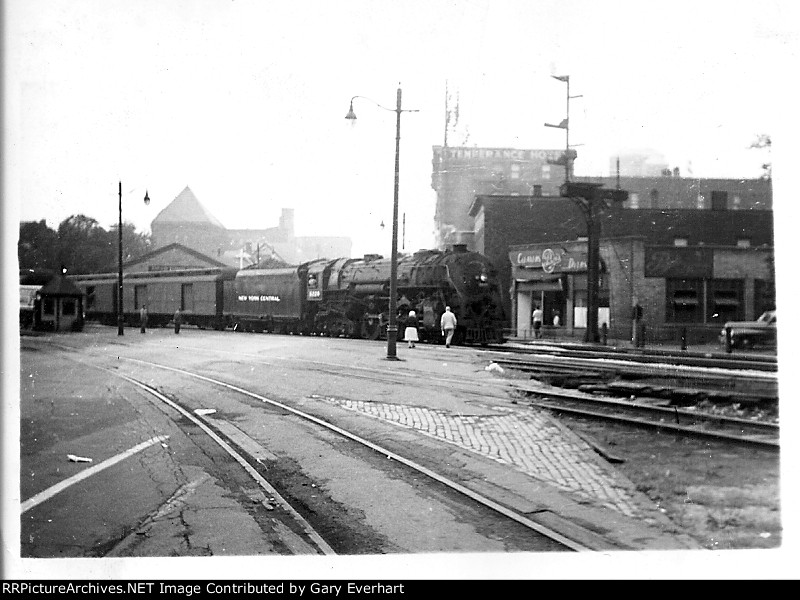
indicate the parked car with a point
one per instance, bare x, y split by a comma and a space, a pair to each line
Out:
746, 334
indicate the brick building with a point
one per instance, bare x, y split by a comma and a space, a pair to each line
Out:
684, 267
461, 173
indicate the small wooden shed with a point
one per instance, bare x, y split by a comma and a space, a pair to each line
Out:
59, 306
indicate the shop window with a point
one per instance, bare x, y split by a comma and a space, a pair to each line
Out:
743, 243
764, 299
680, 242
684, 301
48, 306
725, 300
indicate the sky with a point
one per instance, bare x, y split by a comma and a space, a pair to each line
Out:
244, 101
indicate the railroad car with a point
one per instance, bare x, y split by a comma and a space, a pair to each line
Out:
350, 297
334, 297
199, 293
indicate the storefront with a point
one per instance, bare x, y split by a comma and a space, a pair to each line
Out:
554, 278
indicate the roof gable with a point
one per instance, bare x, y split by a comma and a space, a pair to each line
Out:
171, 248
186, 208
60, 286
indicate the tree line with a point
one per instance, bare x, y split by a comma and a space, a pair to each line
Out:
79, 245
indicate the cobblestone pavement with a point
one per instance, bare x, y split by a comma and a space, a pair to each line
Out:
529, 441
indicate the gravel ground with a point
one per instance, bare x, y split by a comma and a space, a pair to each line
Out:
725, 496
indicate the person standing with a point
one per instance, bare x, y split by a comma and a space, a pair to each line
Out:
178, 317
411, 334
448, 324
537, 317
143, 318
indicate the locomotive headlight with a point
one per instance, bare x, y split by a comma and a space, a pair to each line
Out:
484, 278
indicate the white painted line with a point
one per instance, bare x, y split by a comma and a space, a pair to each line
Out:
60, 487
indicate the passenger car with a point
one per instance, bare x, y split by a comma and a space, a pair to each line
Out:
745, 334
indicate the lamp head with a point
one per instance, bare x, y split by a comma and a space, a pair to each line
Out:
146, 198
350, 114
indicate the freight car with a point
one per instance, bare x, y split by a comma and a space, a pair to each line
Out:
199, 293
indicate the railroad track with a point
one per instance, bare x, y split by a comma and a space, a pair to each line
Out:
691, 423
766, 363
248, 455
685, 384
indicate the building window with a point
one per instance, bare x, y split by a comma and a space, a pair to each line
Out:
743, 243
654, 198
634, 200
545, 171
48, 306
680, 242
684, 301
68, 307
515, 170
701, 201
763, 296
725, 300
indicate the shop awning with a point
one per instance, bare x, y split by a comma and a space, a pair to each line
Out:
540, 285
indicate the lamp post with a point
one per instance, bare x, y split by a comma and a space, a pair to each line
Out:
391, 329
120, 317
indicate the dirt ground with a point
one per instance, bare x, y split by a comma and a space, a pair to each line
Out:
726, 497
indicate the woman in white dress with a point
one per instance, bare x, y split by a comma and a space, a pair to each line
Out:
411, 335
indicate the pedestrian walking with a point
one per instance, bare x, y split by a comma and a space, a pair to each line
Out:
143, 318
537, 317
178, 318
411, 334
448, 323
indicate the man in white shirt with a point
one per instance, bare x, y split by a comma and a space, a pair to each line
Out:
448, 324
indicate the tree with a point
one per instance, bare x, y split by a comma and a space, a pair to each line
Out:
80, 245
37, 246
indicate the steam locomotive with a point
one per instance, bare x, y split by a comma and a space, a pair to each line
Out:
334, 297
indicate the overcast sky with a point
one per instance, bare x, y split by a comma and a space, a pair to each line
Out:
244, 101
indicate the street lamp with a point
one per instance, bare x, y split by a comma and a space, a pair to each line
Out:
391, 330
120, 317
569, 154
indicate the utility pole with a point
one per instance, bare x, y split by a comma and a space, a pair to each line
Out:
591, 199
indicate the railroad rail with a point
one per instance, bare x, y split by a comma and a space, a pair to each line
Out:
681, 383
755, 362
691, 423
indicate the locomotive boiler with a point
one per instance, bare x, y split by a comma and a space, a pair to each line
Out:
350, 297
